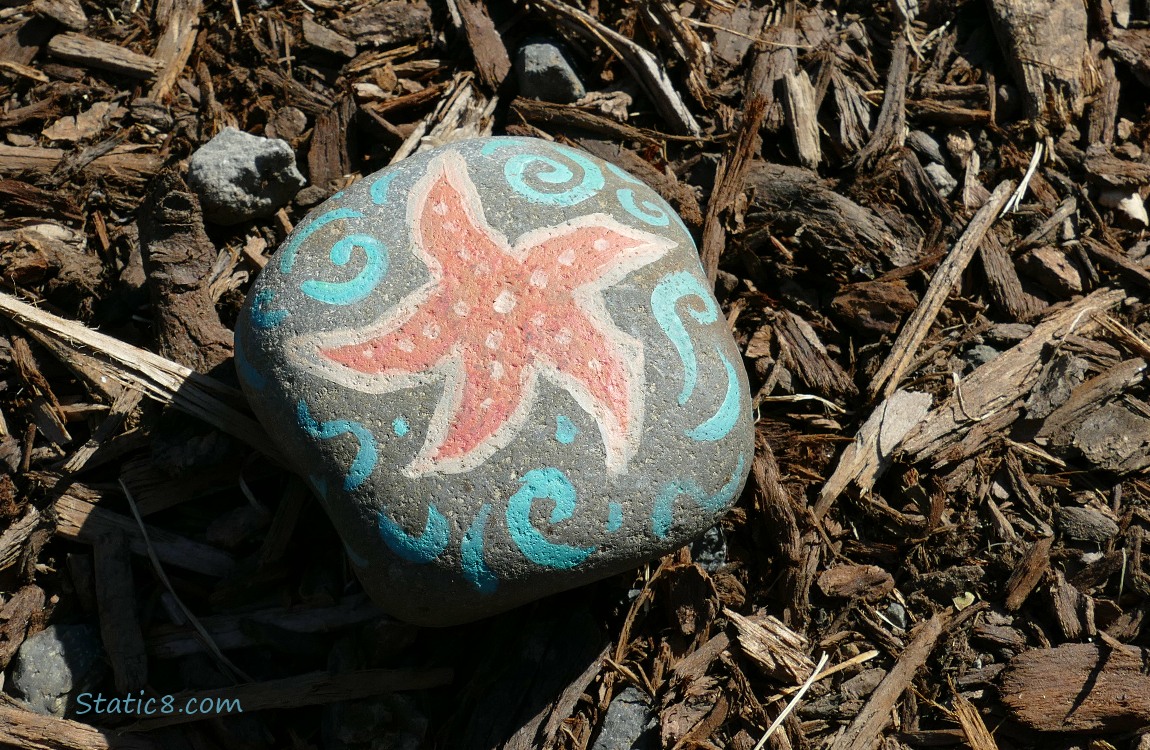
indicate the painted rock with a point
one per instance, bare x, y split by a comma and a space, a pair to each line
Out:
500, 367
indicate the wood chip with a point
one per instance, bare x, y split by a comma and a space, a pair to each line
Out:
93, 53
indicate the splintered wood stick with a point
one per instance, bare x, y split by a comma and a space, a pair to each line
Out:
162, 379
93, 53
82, 521
945, 277
23, 729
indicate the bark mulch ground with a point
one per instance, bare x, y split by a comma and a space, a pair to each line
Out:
926, 227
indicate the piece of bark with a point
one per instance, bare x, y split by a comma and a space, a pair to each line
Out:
1086, 398
23, 41
14, 539
799, 105
847, 581
1079, 687
121, 409
18, 613
180, 20
325, 39
730, 182
80, 520
1047, 48
119, 620
178, 260
327, 159
889, 132
835, 229
23, 729
1002, 280
1073, 612
561, 117
1028, 573
778, 650
905, 348
802, 351
387, 24
94, 53
874, 307
491, 59
123, 162
989, 399
67, 13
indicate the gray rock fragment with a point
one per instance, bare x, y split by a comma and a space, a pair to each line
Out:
239, 176
941, 179
544, 72
56, 663
630, 724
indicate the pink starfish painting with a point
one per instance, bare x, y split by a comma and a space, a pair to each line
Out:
494, 318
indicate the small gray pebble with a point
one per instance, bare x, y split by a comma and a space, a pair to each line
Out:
56, 662
544, 72
896, 613
980, 354
630, 724
710, 551
239, 176
941, 179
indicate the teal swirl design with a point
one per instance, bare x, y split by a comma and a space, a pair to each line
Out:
720, 424
670, 289
662, 515
343, 292
650, 213
260, 315
538, 484
475, 569
365, 457
553, 175
380, 187
416, 549
355, 289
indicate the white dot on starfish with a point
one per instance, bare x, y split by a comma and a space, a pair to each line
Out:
493, 339
461, 309
482, 269
486, 404
538, 319
595, 365
496, 370
440, 208
452, 226
431, 330
368, 352
564, 336
567, 257
505, 302
405, 345
539, 279
600, 244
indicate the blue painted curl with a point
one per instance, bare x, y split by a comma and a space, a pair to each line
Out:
475, 569
670, 289
537, 484
365, 457
417, 549
662, 515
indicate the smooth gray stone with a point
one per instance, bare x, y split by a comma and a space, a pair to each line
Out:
543, 72
501, 368
925, 144
238, 176
54, 663
630, 723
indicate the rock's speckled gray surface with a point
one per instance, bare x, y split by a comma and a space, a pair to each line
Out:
500, 367
239, 176
55, 663
543, 72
